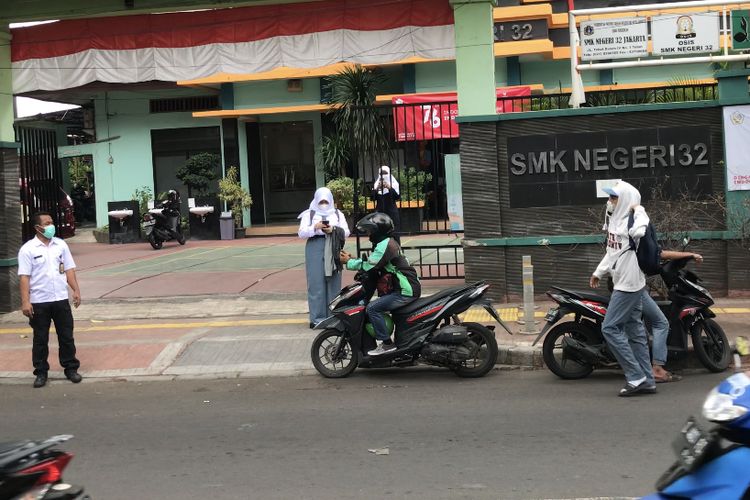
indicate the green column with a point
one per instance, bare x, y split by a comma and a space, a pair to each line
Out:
6, 88
733, 90
475, 56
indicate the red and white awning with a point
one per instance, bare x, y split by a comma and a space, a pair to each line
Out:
190, 45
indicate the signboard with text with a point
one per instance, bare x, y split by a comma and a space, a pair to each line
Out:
562, 169
517, 31
681, 34
737, 147
614, 39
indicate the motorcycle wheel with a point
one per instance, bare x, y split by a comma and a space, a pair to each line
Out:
156, 244
332, 354
485, 352
711, 345
552, 350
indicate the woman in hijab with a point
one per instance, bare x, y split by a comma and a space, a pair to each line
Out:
385, 194
317, 225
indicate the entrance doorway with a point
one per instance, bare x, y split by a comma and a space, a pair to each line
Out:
288, 169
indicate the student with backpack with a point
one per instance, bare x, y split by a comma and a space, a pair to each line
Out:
623, 324
325, 228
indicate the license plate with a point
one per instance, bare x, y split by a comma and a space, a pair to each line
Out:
149, 223
693, 445
551, 315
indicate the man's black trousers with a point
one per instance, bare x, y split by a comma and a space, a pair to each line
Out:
44, 314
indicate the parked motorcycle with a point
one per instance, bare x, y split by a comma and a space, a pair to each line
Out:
427, 330
162, 223
573, 349
33, 469
713, 464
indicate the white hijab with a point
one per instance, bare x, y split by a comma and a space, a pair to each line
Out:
322, 194
389, 178
628, 196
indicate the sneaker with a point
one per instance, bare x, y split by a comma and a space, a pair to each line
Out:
649, 389
382, 349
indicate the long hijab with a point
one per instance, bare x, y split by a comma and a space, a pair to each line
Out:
388, 178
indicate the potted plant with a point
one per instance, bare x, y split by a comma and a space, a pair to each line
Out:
342, 189
236, 197
198, 172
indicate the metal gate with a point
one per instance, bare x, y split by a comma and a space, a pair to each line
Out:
420, 136
41, 179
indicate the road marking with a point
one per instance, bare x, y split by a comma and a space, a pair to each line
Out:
474, 315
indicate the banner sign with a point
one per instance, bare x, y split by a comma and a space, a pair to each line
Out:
737, 147
433, 116
678, 34
614, 39
740, 25
562, 169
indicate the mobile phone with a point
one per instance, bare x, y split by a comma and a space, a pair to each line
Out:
325, 223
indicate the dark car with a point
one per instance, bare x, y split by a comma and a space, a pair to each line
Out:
31, 194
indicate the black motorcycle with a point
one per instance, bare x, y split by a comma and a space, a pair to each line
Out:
573, 349
33, 469
427, 330
163, 224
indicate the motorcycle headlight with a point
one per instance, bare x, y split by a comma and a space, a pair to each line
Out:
720, 407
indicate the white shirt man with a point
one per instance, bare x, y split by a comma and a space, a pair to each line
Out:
45, 270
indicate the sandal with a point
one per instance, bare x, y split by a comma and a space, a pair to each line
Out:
669, 377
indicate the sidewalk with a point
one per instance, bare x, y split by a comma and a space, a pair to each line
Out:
217, 310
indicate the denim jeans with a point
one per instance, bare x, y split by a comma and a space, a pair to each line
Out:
659, 328
377, 308
623, 330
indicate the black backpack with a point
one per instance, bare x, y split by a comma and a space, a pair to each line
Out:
647, 250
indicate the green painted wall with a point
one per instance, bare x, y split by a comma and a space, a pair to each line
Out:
680, 72
275, 93
436, 77
6, 88
126, 114
553, 75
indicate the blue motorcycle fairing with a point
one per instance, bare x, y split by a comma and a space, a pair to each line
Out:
738, 388
724, 478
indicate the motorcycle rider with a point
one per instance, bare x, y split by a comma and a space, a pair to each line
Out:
622, 327
171, 210
398, 283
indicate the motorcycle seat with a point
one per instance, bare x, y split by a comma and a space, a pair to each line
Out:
423, 301
604, 299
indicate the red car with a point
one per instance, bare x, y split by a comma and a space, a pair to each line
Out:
66, 221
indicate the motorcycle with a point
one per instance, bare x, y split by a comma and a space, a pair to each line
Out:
427, 330
712, 464
162, 223
33, 469
573, 349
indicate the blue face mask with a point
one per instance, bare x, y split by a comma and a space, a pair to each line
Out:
48, 231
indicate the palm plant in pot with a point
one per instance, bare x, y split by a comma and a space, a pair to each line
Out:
360, 132
236, 197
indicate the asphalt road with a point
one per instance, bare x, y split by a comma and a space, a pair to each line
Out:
510, 435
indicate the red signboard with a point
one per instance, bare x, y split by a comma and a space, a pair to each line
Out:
433, 116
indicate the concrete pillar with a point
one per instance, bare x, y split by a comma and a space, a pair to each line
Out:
475, 56
733, 91
10, 206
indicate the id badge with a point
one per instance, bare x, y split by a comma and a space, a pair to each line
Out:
62, 268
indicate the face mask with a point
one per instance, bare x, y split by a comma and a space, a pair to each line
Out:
323, 206
610, 207
48, 231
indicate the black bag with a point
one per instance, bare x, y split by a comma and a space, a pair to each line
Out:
647, 250
386, 284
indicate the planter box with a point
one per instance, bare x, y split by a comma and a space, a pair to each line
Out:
101, 236
239, 233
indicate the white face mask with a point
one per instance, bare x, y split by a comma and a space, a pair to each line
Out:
323, 206
610, 207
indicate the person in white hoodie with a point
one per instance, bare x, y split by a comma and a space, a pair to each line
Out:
622, 327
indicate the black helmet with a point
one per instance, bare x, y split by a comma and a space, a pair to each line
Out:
377, 225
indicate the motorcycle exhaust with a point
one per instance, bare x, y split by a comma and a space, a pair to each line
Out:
579, 351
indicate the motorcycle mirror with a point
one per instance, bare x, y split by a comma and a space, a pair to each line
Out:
685, 242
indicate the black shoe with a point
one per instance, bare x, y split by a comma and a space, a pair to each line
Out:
649, 389
73, 376
40, 381
632, 390
312, 325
